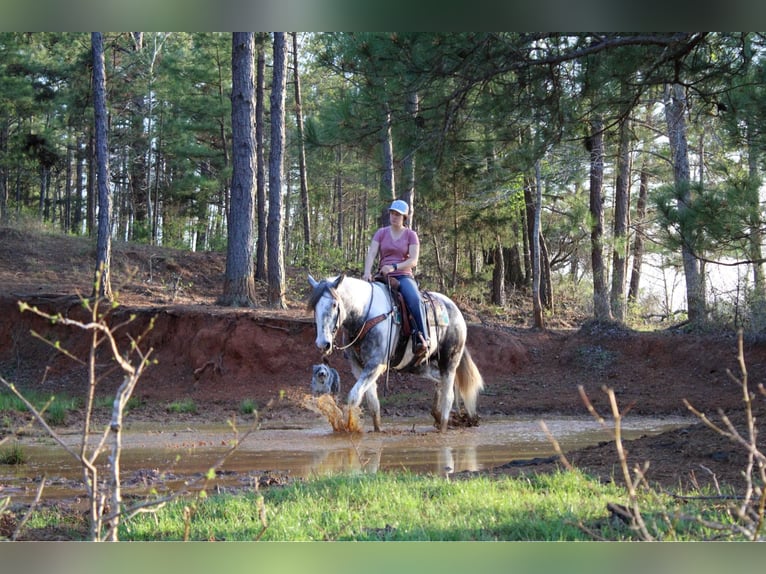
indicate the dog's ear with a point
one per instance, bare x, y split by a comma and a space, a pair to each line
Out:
315, 369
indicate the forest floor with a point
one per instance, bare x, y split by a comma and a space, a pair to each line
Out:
219, 356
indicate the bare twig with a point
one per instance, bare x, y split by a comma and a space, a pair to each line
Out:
589, 405
749, 515
622, 456
35, 502
556, 446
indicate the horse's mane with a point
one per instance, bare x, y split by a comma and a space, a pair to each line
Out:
322, 286
316, 294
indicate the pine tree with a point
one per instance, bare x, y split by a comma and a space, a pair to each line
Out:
239, 284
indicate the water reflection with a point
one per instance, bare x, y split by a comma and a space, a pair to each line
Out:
314, 449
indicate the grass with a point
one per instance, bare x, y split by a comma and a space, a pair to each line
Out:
13, 454
55, 413
187, 406
60, 405
564, 506
247, 407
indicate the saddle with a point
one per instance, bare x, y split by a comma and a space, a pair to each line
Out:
434, 315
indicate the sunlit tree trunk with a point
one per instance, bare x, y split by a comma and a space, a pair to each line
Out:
387, 180
537, 306
78, 189
301, 151
675, 110
137, 215
755, 222
275, 230
408, 161
638, 241
91, 188
260, 162
498, 275
67, 215
621, 222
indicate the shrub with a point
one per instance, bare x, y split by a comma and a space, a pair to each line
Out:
13, 454
247, 407
187, 406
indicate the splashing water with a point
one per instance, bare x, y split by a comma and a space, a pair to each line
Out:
342, 419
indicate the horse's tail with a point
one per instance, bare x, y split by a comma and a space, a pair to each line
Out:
469, 382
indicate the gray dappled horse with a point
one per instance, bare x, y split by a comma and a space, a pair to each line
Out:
365, 312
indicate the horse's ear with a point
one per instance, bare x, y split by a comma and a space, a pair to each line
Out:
338, 280
313, 282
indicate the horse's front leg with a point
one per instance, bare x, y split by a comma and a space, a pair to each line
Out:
366, 386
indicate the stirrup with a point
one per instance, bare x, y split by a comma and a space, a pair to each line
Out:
419, 344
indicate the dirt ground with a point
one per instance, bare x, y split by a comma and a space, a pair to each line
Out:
219, 356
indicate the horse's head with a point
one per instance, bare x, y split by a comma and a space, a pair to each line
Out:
328, 310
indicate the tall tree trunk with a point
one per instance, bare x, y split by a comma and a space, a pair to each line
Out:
239, 284
103, 285
222, 128
301, 153
514, 270
408, 162
498, 275
4, 179
275, 231
338, 199
43, 204
455, 238
260, 259
621, 223
755, 222
139, 192
388, 179
675, 110
546, 282
601, 309
638, 241
526, 214
78, 203
537, 307
67, 225
92, 189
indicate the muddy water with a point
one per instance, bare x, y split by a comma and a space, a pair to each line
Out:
172, 457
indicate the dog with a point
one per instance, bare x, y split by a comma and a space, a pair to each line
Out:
325, 380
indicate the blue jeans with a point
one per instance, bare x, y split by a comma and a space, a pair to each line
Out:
408, 287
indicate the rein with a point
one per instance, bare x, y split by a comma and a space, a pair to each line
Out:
368, 324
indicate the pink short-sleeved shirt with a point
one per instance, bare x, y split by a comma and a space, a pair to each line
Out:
395, 251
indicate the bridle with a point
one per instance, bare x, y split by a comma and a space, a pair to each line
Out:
341, 317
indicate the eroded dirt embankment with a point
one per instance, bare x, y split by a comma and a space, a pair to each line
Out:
203, 352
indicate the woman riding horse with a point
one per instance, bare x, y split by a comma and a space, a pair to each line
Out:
399, 249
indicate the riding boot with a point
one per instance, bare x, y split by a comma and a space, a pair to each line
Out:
419, 345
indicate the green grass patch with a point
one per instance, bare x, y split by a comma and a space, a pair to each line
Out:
187, 406
56, 407
13, 454
400, 506
247, 407
406, 507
